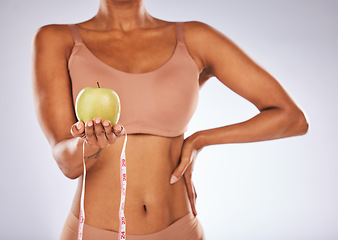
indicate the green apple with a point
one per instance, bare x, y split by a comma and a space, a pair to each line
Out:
97, 102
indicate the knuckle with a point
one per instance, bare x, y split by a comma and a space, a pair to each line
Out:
89, 129
111, 136
186, 161
107, 129
99, 132
89, 135
74, 131
91, 138
91, 143
103, 145
117, 134
109, 133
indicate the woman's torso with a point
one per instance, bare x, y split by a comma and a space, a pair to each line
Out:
151, 202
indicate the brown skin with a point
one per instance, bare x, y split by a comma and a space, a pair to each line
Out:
152, 202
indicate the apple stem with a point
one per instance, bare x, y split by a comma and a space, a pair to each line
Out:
98, 85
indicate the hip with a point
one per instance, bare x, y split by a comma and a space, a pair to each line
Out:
186, 228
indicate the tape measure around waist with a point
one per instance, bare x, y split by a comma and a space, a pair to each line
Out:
123, 179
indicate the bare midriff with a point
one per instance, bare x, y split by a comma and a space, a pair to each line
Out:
152, 203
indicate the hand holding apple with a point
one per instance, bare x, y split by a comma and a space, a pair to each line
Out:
96, 131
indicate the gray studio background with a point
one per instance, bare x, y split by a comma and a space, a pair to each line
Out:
282, 190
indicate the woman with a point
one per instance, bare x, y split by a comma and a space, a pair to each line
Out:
156, 67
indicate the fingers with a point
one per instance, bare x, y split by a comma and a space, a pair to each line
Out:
112, 133
188, 155
111, 137
118, 130
179, 171
191, 192
90, 133
98, 133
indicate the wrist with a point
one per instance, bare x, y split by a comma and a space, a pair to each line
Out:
89, 149
199, 140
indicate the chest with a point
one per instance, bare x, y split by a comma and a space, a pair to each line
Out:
136, 52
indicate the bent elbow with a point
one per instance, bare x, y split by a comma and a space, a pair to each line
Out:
300, 122
71, 174
65, 166
305, 124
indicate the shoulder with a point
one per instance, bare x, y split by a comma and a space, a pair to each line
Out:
196, 26
201, 31
52, 32
204, 42
53, 36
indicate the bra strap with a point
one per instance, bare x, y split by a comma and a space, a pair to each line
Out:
180, 32
76, 34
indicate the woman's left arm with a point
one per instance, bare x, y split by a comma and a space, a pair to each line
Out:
279, 116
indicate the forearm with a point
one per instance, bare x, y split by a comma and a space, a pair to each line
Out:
69, 156
273, 123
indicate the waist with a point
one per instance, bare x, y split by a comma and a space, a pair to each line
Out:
151, 202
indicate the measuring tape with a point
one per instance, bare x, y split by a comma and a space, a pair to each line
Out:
123, 179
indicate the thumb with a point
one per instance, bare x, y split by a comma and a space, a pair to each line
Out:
77, 129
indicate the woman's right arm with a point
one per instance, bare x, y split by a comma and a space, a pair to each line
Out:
54, 105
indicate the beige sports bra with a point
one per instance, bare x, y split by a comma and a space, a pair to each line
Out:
159, 102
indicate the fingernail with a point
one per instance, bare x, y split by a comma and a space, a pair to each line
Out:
122, 130
78, 125
90, 123
173, 179
105, 123
118, 129
98, 120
